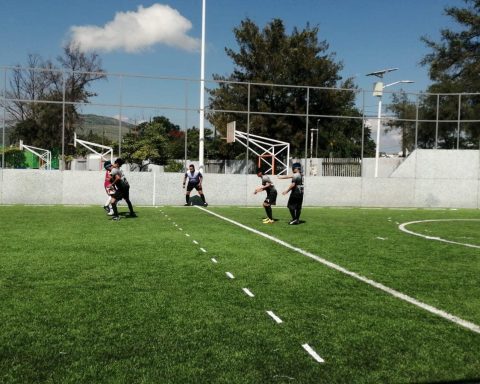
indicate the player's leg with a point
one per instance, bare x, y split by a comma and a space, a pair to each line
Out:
202, 196
187, 194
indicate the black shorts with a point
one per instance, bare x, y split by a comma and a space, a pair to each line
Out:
271, 197
295, 201
122, 193
191, 186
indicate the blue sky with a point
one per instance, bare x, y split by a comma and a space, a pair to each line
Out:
366, 35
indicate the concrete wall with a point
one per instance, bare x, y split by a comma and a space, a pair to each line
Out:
440, 179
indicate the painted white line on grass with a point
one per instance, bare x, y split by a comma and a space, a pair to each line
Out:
186, 234
180, 229
214, 260
195, 242
399, 295
203, 250
381, 238
313, 353
275, 317
229, 275
402, 228
248, 292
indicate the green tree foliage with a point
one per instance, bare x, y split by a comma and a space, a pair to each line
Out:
271, 56
154, 142
454, 68
14, 158
40, 123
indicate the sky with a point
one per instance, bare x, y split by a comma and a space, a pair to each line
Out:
163, 38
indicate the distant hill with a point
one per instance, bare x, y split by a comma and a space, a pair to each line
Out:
103, 126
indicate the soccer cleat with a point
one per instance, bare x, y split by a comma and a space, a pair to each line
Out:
293, 222
268, 221
187, 204
265, 220
111, 213
205, 204
116, 218
132, 214
106, 208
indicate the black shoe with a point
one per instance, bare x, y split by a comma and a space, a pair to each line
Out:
116, 218
132, 214
187, 204
106, 208
293, 222
205, 204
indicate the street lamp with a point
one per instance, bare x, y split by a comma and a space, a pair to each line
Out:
378, 88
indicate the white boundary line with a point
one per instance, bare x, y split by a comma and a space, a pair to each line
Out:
399, 295
229, 275
275, 317
402, 228
248, 292
313, 353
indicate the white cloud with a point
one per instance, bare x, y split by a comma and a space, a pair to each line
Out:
137, 31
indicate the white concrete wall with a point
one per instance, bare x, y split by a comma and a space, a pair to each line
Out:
435, 181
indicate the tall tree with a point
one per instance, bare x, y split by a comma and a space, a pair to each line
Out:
38, 94
272, 57
454, 68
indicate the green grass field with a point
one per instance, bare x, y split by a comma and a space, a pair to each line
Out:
88, 300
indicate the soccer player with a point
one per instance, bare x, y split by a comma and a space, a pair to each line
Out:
108, 186
295, 188
271, 198
122, 189
195, 179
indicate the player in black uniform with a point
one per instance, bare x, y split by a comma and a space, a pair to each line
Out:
295, 188
271, 198
194, 181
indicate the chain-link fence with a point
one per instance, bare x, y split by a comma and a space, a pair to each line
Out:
45, 108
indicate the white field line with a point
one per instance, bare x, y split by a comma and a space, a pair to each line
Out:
402, 228
313, 353
399, 295
248, 292
229, 275
214, 260
203, 250
275, 317
195, 242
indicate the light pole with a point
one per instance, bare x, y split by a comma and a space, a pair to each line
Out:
378, 88
316, 142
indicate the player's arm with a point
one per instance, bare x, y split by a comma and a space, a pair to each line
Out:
290, 187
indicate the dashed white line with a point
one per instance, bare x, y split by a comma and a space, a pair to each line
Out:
277, 319
186, 234
248, 292
313, 353
229, 275
195, 242
399, 295
214, 260
203, 250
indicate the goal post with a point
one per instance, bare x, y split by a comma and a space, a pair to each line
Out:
231, 131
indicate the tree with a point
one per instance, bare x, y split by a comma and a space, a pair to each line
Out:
454, 68
271, 56
40, 123
153, 142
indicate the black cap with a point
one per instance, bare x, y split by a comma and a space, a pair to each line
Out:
107, 164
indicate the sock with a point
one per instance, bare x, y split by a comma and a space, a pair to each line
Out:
203, 197
130, 207
115, 210
269, 212
187, 199
107, 203
292, 213
297, 216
